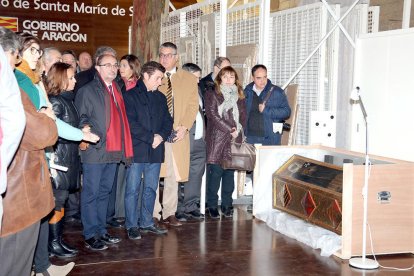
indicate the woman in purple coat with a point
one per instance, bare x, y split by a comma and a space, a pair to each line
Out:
226, 116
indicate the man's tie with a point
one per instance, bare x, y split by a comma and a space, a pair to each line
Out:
169, 95
111, 90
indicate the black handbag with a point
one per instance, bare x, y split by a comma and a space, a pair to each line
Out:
243, 156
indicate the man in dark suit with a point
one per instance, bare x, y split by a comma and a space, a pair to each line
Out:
116, 199
151, 124
101, 106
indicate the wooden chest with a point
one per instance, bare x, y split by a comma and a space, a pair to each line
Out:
310, 190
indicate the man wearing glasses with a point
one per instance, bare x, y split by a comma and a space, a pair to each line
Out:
180, 89
208, 80
101, 106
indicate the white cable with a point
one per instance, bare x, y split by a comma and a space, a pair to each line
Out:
385, 267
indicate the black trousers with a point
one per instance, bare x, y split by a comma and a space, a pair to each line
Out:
215, 175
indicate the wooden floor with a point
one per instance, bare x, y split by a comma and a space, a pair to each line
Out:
238, 246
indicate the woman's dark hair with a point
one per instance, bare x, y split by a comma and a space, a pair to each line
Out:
27, 40
134, 64
230, 70
57, 78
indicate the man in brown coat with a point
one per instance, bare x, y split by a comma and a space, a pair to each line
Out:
28, 197
180, 88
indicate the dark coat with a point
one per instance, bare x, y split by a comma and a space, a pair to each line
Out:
218, 137
84, 77
93, 104
277, 110
66, 152
29, 197
205, 84
147, 114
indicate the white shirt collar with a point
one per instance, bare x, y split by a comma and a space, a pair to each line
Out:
173, 71
256, 90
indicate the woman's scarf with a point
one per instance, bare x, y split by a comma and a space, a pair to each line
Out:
25, 69
131, 83
231, 96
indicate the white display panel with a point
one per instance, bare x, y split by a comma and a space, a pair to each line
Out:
384, 71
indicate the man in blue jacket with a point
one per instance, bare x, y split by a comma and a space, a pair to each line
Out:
267, 108
151, 124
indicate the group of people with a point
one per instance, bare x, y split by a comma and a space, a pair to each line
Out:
122, 127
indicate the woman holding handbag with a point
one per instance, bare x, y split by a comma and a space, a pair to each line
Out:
226, 116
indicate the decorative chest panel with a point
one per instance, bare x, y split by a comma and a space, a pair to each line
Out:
310, 190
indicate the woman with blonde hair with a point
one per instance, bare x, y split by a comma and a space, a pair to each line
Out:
226, 116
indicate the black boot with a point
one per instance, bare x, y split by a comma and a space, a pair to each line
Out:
62, 242
56, 247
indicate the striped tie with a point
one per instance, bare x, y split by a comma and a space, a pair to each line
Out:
169, 95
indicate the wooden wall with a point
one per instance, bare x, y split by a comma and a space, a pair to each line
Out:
102, 22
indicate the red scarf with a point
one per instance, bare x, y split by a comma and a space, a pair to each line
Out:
131, 83
113, 133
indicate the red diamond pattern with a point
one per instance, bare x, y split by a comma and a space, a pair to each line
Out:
308, 204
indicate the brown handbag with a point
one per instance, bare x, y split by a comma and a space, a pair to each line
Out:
243, 156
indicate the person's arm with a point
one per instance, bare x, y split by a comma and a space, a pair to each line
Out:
211, 107
138, 130
12, 117
277, 107
191, 107
40, 132
167, 121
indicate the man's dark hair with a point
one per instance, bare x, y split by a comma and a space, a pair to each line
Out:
219, 60
150, 68
169, 45
191, 67
258, 66
9, 41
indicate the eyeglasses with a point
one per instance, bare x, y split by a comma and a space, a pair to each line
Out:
109, 66
167, 56
35, 51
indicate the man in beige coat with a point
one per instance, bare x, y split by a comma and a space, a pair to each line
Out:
181, 87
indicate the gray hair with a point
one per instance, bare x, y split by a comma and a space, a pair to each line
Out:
9, 41
101, 50
46, 54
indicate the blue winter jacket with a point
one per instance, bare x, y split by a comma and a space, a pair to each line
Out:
277, 110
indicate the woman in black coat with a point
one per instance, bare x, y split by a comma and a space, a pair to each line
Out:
59, 85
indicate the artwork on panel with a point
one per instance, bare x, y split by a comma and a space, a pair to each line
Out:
207, 46
243, 58
187, 50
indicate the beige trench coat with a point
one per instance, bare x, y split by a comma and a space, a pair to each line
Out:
185, 93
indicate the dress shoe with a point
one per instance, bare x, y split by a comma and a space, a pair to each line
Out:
213, 213
76, 218
158, 224
95, 244
154, 229
115, 223
195, 215
227, 211
108, 239
133, 233
173, 221
181, 217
